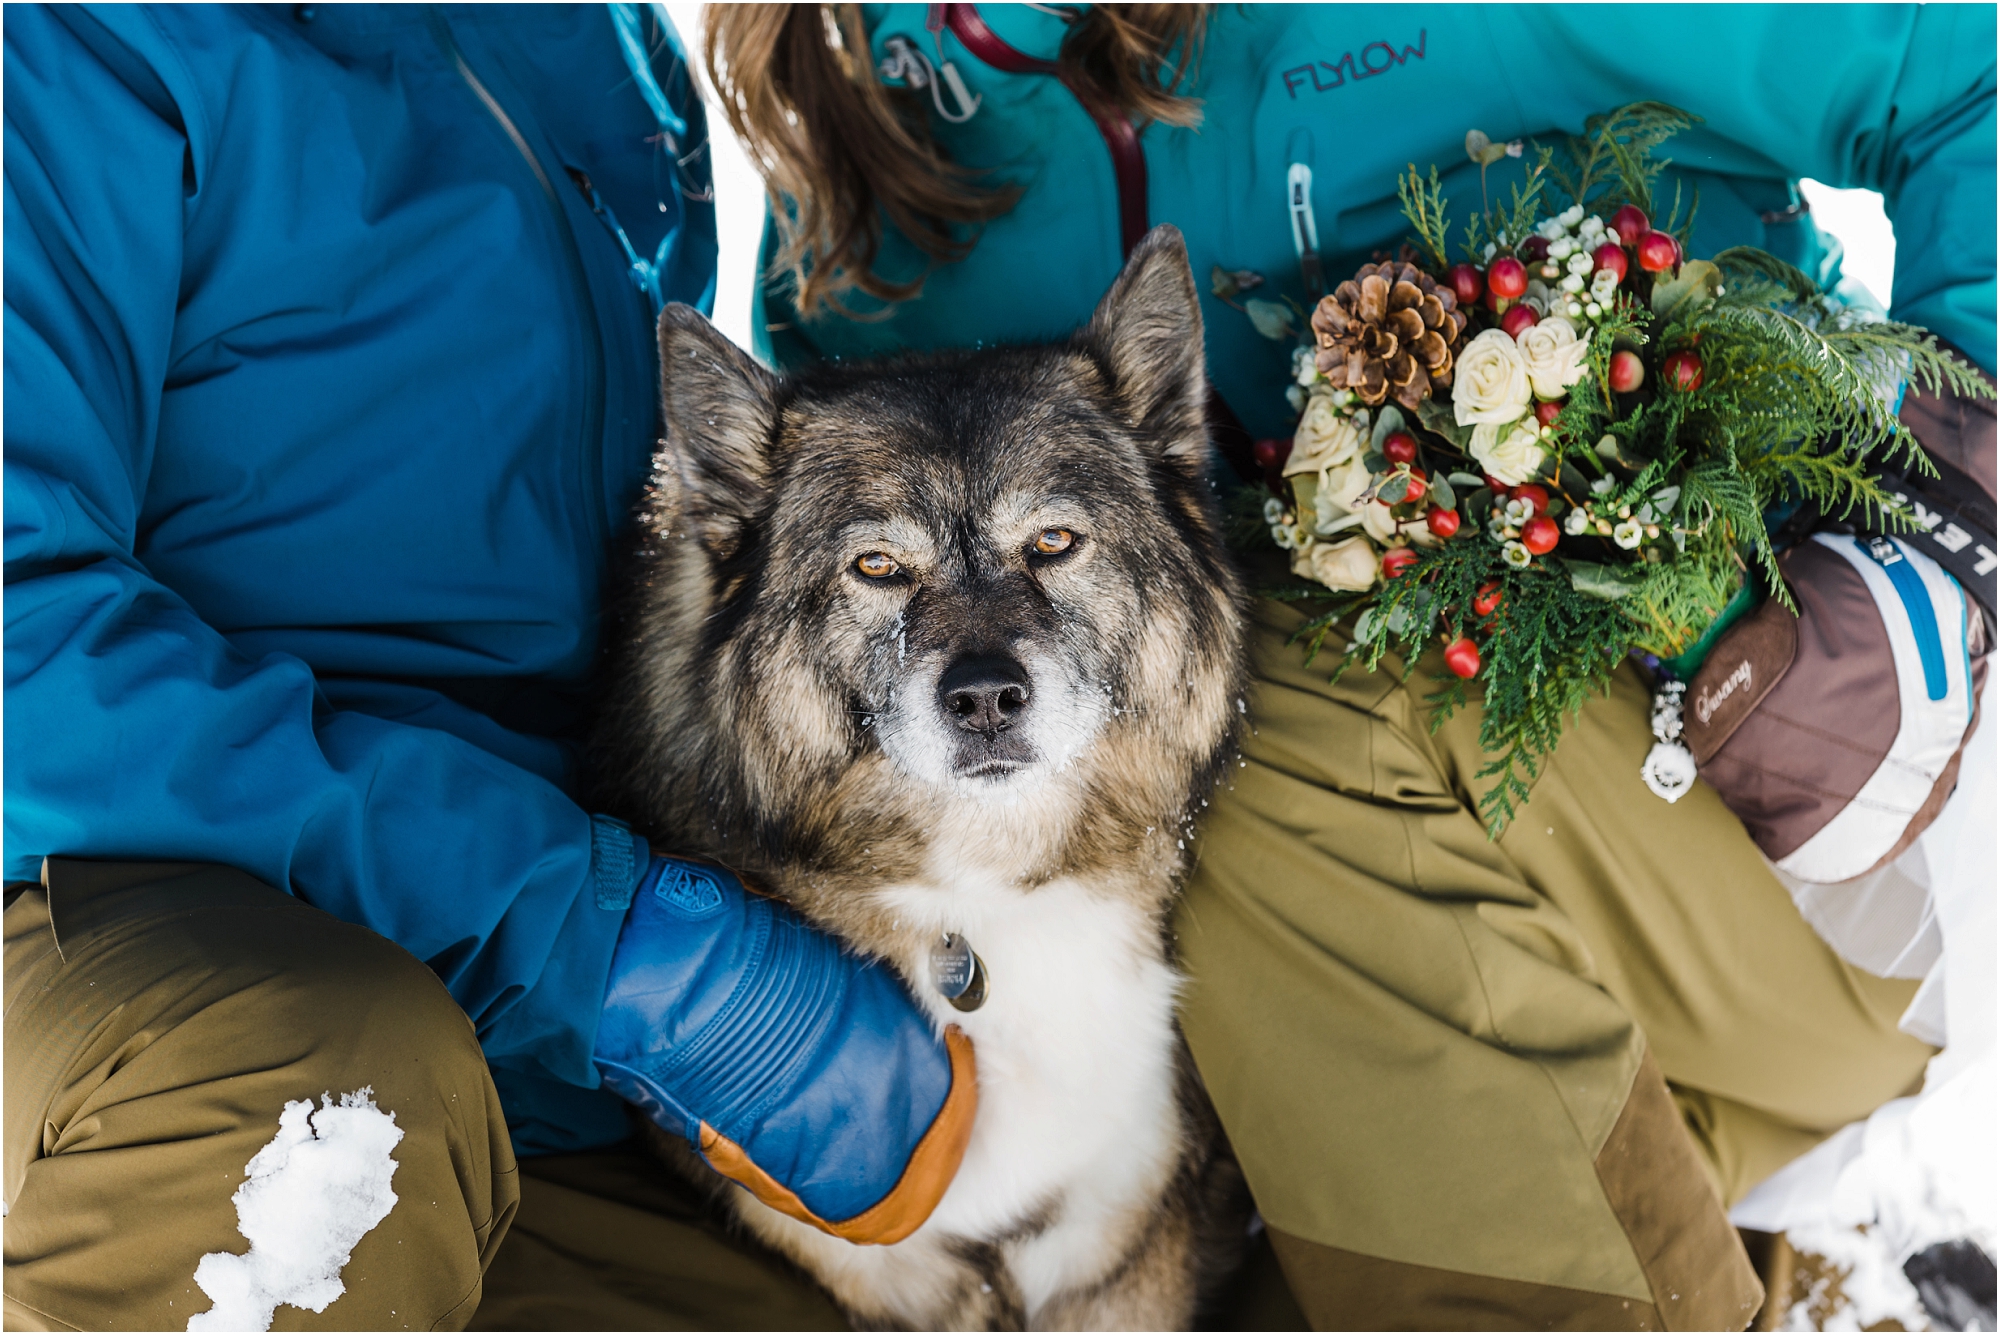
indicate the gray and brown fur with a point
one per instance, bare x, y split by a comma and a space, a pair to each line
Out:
828, 735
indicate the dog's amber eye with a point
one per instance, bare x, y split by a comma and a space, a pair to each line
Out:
1054, 541
876, 565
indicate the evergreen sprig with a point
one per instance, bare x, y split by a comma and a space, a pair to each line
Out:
1612, 164
1424, 205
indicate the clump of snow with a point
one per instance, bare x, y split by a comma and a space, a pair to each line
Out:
312, 1193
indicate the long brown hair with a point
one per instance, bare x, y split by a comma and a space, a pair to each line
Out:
840, 151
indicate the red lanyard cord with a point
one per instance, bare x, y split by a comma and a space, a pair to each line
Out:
1127, 161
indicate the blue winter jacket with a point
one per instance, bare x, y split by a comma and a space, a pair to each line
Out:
327, 391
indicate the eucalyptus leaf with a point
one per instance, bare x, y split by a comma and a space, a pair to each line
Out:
1698, 284
1442, 495
1366, 624
1479, 504
1375, 461
1608, 582
1470, 481
1439, 418
1388, 420
1394, 489
1399, 619
1573, 481
1305, 494
1271, 319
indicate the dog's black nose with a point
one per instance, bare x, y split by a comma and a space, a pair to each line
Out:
984, 693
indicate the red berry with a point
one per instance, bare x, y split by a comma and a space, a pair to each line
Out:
1271, 454
1631, 223
1534, 250
1682, 370
1534, 495
1507, 278
1627, 372
1518, 319
1400, 448
1442, 522
1417, 486
1547, 413
1396, 560
1462, 657
1467, 284
1494, 484
1487, 601
1658, 252
1539, 535
1611, 256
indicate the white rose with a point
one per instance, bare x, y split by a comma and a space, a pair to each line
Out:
1513, 460
1323, 439
1490, 382
1554, 355
1348, 564
1379, 524
1342, 485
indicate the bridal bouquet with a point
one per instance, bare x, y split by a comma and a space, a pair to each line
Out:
1574, 442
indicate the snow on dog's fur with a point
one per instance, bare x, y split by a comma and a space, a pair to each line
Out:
949, 644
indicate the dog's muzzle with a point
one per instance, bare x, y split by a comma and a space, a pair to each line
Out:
984, 699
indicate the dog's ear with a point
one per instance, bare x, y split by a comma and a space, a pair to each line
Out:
1148, 331
720, 407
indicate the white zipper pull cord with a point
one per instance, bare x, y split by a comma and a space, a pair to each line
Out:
907, 63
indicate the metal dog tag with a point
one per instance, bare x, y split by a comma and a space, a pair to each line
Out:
960, 975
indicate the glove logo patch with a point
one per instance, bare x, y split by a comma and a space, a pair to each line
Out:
695, 891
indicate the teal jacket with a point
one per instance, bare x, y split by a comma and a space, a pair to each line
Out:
1898, 99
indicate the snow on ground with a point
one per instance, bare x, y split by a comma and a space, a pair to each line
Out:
312, 1193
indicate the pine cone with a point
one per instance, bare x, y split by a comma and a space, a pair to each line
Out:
1391, 331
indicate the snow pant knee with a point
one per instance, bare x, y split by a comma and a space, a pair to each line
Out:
1483, 1083
159, 1018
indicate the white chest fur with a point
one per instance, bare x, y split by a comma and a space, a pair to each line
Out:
1077, 1121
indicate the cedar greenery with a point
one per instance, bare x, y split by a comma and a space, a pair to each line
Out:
1794, 404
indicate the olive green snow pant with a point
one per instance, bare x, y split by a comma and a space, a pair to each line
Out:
1507, 1084
160, 1016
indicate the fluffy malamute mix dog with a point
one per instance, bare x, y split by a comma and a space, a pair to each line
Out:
949, 645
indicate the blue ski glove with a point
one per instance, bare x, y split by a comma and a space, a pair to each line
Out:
797, 1070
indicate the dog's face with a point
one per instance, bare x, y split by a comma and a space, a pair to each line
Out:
959, 576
